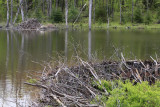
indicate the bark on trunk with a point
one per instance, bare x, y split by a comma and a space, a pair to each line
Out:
16, 15
50, 7
66, 12
56, 4
22, 12
90, 14
94, 11
11, 12
7, 25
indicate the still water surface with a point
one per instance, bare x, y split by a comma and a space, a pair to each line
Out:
19, 51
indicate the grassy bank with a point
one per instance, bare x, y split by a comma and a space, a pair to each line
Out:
111, 26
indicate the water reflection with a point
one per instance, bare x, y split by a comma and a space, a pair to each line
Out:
66, 44
89, 45
19, 49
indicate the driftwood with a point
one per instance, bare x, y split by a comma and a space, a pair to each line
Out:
72, 86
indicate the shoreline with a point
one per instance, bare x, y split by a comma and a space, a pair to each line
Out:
102, 26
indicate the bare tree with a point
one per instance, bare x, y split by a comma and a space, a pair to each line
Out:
7, 25
90, 14
56, 4
50, 7
107, 14
22, 12
94, 11
11, 12
66, 12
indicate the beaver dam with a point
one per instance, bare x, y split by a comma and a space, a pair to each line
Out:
77, 86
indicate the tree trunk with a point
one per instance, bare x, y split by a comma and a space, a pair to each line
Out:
50, 11
16, 15
7, 25
74, 3
132, 9
120, 12
90, 14
11, 12
26, 9
94, 11
22, 12
56, 4
48, 7
79, 14
107, 14
66, 12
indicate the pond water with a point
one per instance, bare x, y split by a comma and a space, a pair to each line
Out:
20, 50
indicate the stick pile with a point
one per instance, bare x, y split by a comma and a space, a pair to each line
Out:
72, 87
31, 24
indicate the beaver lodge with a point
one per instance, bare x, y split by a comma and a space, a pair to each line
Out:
73, 86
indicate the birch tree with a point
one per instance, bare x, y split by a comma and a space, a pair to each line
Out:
90, 14
11, 12
7, 25
22, 12
66, 12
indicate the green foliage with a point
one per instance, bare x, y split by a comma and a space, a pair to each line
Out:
101, 15
138, 16
148, 18
32, 81
158, 14
129, 95
73, 13
57, 16
104, 84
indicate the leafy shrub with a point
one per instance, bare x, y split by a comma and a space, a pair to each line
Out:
129, 95
148, 18
138, 16
158, 14
57, 16
73, 13
101, 15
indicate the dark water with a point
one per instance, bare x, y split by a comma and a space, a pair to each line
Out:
18, 50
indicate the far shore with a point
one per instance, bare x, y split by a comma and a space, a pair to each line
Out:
94, 26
